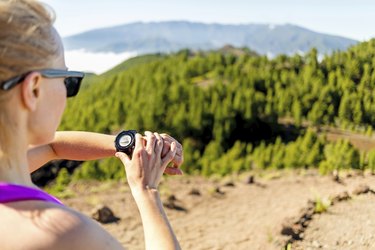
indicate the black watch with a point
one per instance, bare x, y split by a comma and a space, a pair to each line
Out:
125, 142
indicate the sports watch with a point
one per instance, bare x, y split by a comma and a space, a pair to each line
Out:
125, 142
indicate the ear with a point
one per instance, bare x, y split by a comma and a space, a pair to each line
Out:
30, 90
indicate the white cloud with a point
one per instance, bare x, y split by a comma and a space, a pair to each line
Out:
271, 26
94, 62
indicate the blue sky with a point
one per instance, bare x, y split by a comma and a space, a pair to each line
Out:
349, 18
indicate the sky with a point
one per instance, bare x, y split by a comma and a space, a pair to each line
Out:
348, 18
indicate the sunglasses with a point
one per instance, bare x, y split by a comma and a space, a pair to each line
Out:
72, 79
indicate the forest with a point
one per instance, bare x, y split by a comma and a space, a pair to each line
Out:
226, 107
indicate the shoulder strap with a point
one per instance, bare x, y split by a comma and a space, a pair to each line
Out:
13, 192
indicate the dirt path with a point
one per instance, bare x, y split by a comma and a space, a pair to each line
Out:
361, 141
237, 217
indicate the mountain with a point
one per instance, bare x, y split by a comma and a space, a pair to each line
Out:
172, 36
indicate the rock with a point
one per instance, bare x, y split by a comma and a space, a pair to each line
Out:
171, 203
218, 191
195, 192
287, 230
341, 197
292, 230
171, 198
229, 184
104, 215
304, 216
250, 180
336, 178
361, 189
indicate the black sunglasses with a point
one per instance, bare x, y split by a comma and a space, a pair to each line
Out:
72, 79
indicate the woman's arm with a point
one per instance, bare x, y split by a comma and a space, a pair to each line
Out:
72, 145
84, 146
156, 227
144, 172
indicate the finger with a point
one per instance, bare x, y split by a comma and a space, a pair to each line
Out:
167, 146
171, 154
178, 160
159, 144
179, 152
173, 171
139, 142
179, 157
170, 139
151, 140
123, 157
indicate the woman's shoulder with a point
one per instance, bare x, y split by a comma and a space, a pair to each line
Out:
45, 225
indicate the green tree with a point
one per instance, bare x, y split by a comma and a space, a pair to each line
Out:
340, 155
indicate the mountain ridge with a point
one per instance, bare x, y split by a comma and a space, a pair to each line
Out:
171, 36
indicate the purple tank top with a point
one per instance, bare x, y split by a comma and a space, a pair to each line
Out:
13, 192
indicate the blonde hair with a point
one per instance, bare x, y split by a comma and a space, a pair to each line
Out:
26, 38
27, 42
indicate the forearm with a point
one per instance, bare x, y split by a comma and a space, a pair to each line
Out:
82, 146
157, 230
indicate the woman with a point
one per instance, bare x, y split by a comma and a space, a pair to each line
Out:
34, 85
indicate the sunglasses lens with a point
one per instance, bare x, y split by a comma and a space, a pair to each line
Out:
72, 85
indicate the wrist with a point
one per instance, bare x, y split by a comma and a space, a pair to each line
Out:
145, 193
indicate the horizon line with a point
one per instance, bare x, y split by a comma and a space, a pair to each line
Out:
211, 23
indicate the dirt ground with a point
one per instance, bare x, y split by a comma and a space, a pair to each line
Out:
232, 214
348, 225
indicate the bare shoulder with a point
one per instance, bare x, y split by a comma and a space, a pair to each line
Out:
43, 225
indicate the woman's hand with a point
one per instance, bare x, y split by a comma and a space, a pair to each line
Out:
173, 169
147, 165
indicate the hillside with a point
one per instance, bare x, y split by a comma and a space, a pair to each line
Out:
225, 107
133, 62
166, 37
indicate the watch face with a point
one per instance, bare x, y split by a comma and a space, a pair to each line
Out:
125, 140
